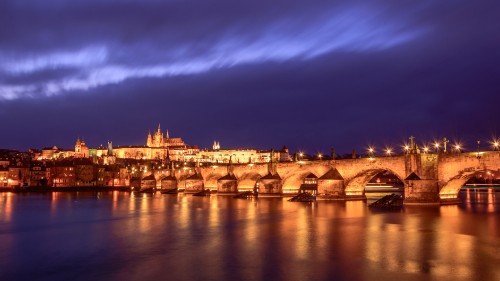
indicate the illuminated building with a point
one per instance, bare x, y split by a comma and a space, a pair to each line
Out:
55, 153
81, 149
158, 146
218, 155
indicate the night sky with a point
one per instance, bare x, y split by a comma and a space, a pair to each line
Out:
306, 74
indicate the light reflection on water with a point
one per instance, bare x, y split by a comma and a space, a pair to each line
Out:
123, 236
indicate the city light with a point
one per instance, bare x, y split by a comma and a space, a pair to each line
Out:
371, 151
436, 146
388, 151
496, 144
426, 149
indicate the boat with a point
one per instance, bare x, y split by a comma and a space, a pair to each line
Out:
205, 192
169, 191
246, 195
303, 197
390, 202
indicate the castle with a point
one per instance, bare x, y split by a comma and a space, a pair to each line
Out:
159, 141
160, 146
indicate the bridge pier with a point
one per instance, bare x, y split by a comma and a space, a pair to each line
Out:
227, 185
194, 183
331, 185
270, 185
419, 191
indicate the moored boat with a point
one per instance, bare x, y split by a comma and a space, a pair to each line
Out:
391, 201
303, 197
205, 192
170, 191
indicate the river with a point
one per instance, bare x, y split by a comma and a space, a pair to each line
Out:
123, 236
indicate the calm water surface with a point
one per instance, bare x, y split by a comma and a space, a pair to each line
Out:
122, 236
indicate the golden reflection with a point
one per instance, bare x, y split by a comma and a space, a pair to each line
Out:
144, 219
468, 201
115, 200
131, 202
302, 235
456, 250
374, 237
355, 209
449, 212
214, 219
414, 242
183, 213
250, 231
55, 198
491, 201
251, 235
6, 207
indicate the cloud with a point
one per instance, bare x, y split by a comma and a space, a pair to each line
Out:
347, 30
90, 56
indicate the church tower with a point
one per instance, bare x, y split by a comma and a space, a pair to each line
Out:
216, 145
158, 138
78, 146
81, 149
149, 142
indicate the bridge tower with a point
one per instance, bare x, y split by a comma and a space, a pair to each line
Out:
421, 182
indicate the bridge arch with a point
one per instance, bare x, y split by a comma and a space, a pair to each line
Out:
294, 178
451, 188
210, 179
247, 181
356, 185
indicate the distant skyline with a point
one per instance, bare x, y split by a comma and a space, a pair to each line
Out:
306, 74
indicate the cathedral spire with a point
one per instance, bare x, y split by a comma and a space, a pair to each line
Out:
167, 136
149, 141
159, 130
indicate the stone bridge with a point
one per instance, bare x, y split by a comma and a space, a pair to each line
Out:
427, 177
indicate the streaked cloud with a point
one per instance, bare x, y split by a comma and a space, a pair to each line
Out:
86, 57
349, 30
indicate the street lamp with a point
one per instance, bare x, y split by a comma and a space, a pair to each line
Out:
426, 149
436, 145
371, 151
388, 151
496, 145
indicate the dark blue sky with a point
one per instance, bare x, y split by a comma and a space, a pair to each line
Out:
308, 74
